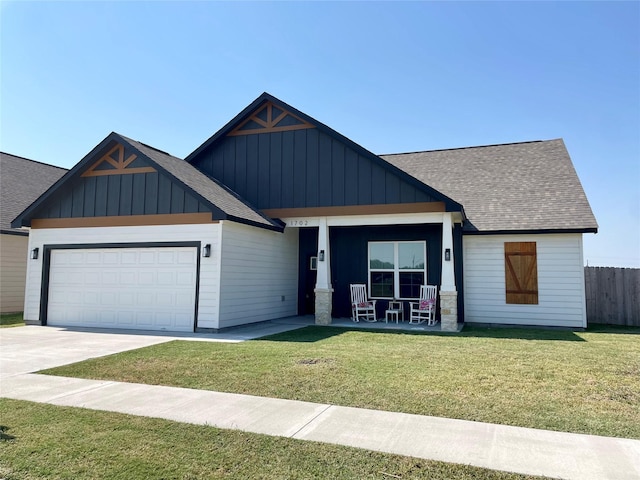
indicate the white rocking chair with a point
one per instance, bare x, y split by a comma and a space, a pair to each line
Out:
425, 309
361, 307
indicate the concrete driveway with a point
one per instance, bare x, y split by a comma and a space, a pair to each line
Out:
32, 348
29, 349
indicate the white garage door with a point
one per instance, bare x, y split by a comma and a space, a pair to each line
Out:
133, 288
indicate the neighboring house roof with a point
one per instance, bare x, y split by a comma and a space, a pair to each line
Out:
21, 182
217, 197
529, 186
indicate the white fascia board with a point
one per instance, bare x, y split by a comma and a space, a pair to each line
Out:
358, 220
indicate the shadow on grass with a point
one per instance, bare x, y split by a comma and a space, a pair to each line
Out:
319, 333
617, 329
4, 436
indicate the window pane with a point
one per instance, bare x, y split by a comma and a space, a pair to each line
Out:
410, 284
411, 256
380, 255
382, 284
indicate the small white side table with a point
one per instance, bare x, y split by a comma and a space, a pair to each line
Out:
391, 315
397, 305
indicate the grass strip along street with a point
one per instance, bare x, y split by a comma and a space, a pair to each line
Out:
50, 442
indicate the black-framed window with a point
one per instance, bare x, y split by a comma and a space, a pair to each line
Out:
397, 269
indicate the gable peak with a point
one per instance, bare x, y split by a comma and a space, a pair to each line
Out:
270, 117
114, 163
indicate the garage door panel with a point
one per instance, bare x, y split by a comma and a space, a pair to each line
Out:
91, 298
110, 279
129, 258
167, 300
128, 278
146, 299
147, 258
92, 278
108, 299
167, 258
144, 319
126, 318
186, 278
166, 278
183, 320
107, 317
146, 278
139, 288
74, 258
186, 257
111, 258
182, 300
163, 319
93, 258
127, 299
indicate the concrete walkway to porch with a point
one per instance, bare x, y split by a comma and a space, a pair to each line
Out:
499, 447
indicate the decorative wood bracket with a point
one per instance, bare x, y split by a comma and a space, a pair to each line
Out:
116, 164
270, 118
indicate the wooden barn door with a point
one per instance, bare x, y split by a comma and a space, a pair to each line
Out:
521, 272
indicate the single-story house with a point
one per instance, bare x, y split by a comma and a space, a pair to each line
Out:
21, 182
277, 214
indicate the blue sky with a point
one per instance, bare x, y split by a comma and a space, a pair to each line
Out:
393, 77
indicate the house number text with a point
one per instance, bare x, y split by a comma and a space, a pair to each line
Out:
299, 223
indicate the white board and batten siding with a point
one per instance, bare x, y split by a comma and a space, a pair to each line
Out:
561, 294
162, 277
260, 274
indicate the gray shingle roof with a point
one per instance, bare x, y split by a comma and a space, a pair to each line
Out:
21, 182
218, 195
511, 187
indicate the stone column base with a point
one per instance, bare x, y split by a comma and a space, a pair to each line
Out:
324, 298
448, 311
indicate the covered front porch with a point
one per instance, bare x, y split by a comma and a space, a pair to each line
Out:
336, 251
380, 325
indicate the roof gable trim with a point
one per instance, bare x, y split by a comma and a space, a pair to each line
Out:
270, 118
114, 163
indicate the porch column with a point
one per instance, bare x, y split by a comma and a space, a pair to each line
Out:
448, 292
323, 290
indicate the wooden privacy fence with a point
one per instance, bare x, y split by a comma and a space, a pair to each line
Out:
613, 295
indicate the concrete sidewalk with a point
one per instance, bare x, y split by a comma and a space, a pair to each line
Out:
499, 447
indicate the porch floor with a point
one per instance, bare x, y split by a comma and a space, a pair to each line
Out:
404, 326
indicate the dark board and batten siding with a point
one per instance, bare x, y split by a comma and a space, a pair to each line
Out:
302, 169
349, 253
122, 195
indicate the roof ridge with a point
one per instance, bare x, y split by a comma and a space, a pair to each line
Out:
468, 147
158, 150
34, 161
148, 146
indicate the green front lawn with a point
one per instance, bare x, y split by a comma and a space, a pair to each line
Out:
11, 320
587, 382
49, 442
